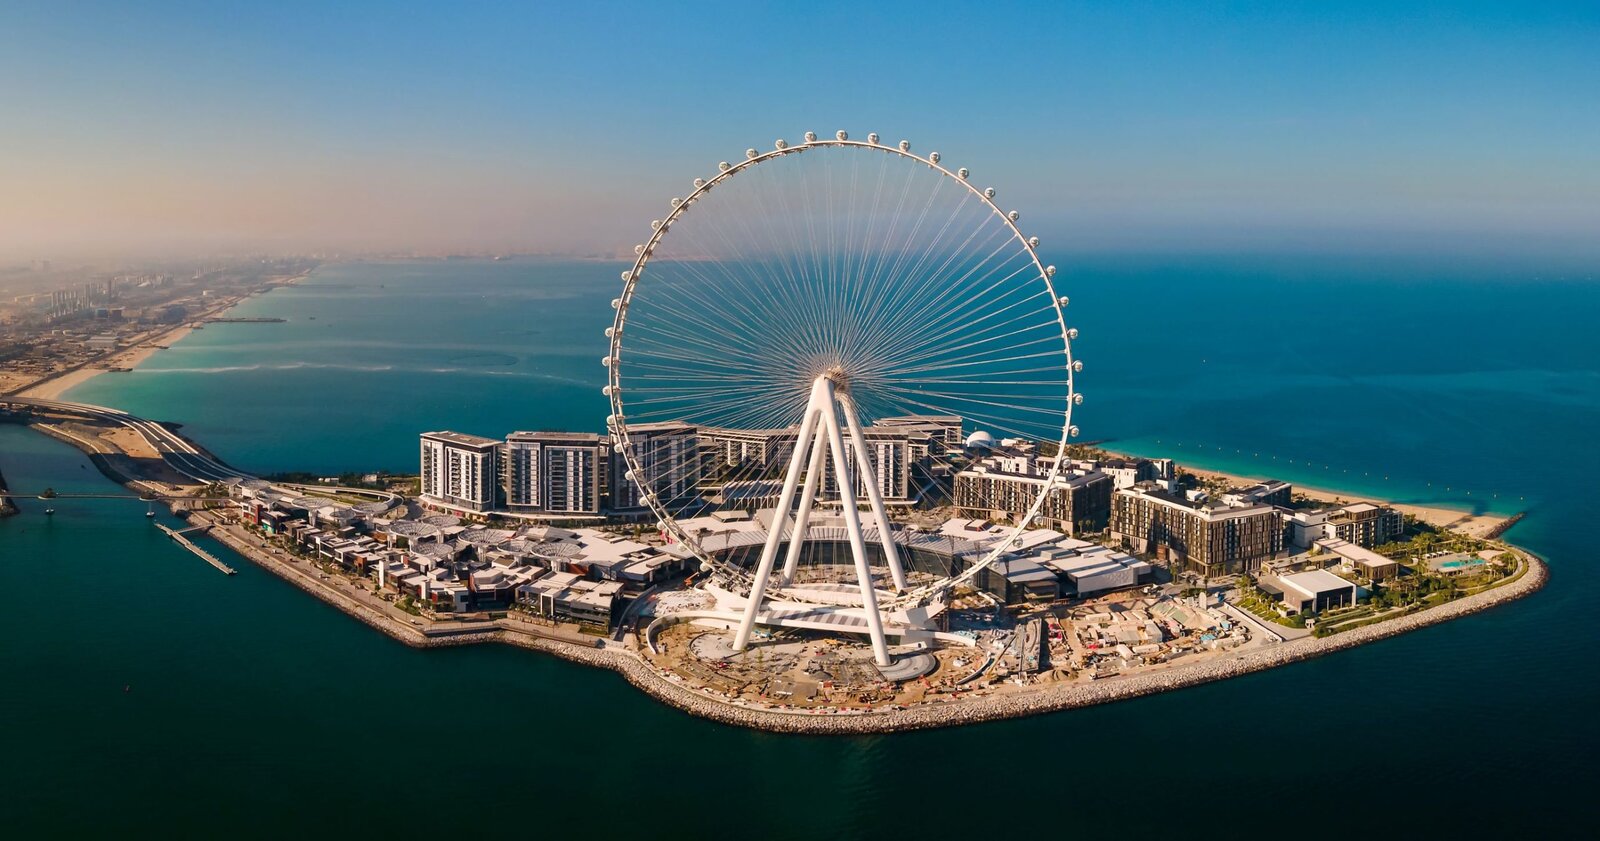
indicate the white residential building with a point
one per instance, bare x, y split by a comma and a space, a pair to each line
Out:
889, 449
669, 458
460, 470
558, 473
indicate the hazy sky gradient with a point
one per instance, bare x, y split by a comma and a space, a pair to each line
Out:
566, 127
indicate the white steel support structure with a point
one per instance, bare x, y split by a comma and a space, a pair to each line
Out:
821, 426
874, 493
808, 498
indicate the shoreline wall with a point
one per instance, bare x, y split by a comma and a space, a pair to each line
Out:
1052, 699
956, 713
647, 679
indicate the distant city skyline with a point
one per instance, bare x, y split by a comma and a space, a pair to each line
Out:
173, 128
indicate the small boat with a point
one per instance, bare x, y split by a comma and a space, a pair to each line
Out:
150, 514
49, 511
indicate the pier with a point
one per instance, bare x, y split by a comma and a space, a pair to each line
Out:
178, 535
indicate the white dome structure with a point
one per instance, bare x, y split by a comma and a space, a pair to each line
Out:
980, 440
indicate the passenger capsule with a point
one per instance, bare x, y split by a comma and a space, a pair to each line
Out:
1072, 432
1077, 366
638, 249
934, 157
988, 193
606, 361
616, 302
724, 166
751, 153
611, 331
606, 390
1050, 271
1063, 301
905, 145
962, 173
811, 137
1033, 242
617, 447
1077, 398
627, 275
655, 224
675, 202
699, 182
842, 134
780, 143
873, 138
1013, 216
1072, 332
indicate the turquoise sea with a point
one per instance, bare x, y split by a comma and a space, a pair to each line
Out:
145, 694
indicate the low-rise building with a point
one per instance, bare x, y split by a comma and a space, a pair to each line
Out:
1303, 527
1005, 484
1362, 560
564, 595
1079, 567
1269, 492
1315, 591
1126, 473
1209, 538
1365, 524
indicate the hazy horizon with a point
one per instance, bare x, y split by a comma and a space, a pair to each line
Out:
218, 128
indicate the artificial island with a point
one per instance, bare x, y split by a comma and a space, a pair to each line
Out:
839, 489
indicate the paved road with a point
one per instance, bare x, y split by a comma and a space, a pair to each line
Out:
179, 454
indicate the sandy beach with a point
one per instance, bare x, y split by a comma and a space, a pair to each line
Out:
1466, 522
54, 387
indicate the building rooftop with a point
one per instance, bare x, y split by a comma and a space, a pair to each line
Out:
1314, 582
541, 436
460, 439
1353, 553
1205, 508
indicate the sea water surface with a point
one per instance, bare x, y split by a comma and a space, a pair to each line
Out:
144, 692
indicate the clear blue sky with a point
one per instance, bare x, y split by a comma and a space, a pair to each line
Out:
564, 127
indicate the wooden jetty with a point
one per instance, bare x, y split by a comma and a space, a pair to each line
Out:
178, 535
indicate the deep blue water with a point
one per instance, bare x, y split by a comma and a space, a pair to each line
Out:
256, 710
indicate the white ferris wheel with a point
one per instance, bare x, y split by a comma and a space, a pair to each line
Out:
827, 331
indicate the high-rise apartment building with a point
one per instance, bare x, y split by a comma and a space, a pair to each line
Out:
460, 470
554, 472
669, 458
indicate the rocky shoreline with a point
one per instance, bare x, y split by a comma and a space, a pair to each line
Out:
1053, 699
948, 714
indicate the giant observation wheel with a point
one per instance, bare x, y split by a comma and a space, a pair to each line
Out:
829, 325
